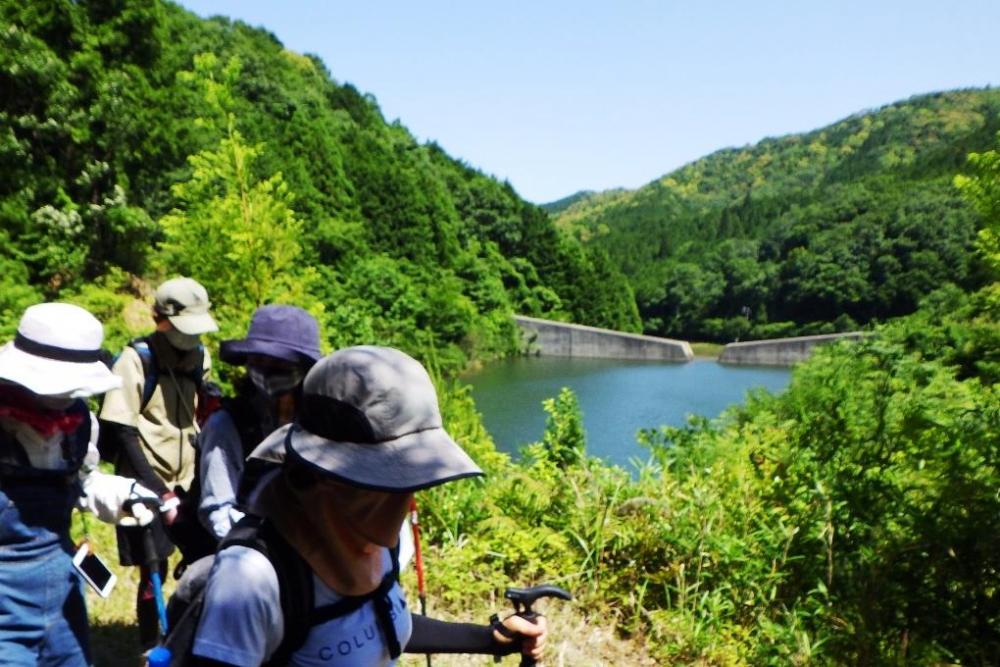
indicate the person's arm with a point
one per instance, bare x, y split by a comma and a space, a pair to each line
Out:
433, 636
105, 495
127, 439
241, 620
120, 412
221, 466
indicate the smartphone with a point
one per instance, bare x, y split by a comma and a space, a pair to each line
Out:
94, 571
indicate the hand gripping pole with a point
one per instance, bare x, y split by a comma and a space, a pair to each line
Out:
523, 598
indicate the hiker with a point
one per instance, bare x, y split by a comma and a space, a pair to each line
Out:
48, 466
279, 349
153, 426
368, 435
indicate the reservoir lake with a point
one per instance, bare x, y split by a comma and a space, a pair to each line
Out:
617, 397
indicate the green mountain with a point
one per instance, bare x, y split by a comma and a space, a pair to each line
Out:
138, 140
804, 233
561, 205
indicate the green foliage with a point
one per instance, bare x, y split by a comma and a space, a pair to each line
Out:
107, 298
564, 441
267, 180
16, 294
856, 220
852, 519
238, 234
982, 189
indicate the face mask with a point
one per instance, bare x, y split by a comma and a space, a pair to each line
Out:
182, 341
275, 382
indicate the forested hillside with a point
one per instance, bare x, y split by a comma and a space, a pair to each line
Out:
804, 233
138, 141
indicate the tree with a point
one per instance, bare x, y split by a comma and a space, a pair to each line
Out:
982, 189
236, 232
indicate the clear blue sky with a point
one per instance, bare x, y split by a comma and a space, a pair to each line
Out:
559, 96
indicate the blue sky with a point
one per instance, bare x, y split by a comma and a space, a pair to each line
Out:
559, 96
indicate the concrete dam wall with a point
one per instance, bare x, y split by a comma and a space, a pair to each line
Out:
560, 339
779, 351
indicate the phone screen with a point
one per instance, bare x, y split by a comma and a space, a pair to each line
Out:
95, 572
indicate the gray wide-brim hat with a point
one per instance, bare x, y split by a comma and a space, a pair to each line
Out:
283, 332
369, 418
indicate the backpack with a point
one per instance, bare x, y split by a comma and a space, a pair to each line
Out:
295, 586
108, 446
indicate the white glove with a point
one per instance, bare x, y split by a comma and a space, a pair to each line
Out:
105, 495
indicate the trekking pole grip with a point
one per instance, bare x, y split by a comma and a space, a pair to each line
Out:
523, 598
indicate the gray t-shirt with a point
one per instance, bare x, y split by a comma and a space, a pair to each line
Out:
221, 467
242, 623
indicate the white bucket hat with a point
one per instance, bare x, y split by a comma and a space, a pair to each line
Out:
57, 352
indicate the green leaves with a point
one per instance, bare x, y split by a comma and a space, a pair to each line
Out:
856, 220
236, 231
982, 189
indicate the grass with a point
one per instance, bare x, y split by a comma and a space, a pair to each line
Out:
707, 350
114, 634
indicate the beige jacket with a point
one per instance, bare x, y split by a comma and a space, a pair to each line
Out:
166, 425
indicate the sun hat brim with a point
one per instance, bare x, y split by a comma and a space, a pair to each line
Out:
236, 351
50, 377
193, 324
408, 463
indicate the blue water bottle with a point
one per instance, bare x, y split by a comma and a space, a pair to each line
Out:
158, 657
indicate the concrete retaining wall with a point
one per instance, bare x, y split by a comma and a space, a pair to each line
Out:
779, 351
560, 339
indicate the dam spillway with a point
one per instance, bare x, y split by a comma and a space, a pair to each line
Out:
562, 339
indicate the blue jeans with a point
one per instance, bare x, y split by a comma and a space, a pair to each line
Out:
43, 616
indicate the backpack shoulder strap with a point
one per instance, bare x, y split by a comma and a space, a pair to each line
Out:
295, 581
150, 372
383, 607
247, 421
294, 585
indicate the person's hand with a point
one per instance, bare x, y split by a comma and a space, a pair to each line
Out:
138, 513
168, 507
532, 634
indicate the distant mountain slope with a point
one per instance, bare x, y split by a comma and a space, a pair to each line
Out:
807, 232
561, 205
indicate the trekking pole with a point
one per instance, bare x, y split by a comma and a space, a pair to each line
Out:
152, 560
418, 558
523, 598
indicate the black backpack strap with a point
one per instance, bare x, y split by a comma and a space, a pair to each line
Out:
247, 421
295, 583
381, 600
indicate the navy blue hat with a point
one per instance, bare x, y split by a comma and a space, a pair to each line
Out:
283, 332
